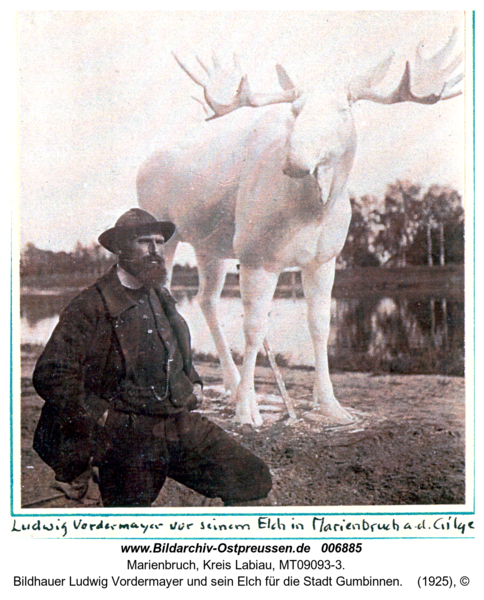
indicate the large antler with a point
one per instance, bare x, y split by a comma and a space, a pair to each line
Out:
428, 75
227, 89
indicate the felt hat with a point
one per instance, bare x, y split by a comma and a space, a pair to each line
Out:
132, 224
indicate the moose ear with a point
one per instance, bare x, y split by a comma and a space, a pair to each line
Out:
284, 80
298, 104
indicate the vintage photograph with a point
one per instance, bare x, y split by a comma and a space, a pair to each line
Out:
241, 259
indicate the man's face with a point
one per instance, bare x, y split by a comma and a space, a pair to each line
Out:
143, 257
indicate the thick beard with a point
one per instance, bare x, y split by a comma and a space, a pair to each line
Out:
146, 271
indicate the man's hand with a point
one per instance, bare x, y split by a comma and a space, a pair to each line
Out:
76, 489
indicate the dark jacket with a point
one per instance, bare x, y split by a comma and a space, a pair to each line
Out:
88, 357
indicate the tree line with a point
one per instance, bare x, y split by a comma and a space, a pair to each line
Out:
409, 226
86, 260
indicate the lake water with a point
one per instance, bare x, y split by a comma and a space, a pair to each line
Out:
396, 334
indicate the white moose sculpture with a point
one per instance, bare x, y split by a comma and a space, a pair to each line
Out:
265, 183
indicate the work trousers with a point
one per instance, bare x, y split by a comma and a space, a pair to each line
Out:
137, 452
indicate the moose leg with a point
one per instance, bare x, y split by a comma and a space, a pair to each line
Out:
257, 289
212, 277
318, 282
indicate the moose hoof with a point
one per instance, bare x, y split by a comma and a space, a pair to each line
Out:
248, 416
332, 415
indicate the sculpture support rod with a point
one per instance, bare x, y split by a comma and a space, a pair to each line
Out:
279, 380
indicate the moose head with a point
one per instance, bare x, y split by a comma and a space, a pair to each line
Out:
323, 134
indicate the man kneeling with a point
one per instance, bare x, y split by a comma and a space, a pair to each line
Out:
119, 386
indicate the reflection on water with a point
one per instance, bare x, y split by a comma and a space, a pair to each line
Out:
393, 334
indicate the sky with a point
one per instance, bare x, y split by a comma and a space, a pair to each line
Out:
100, 91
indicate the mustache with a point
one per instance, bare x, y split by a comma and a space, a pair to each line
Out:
145, 259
